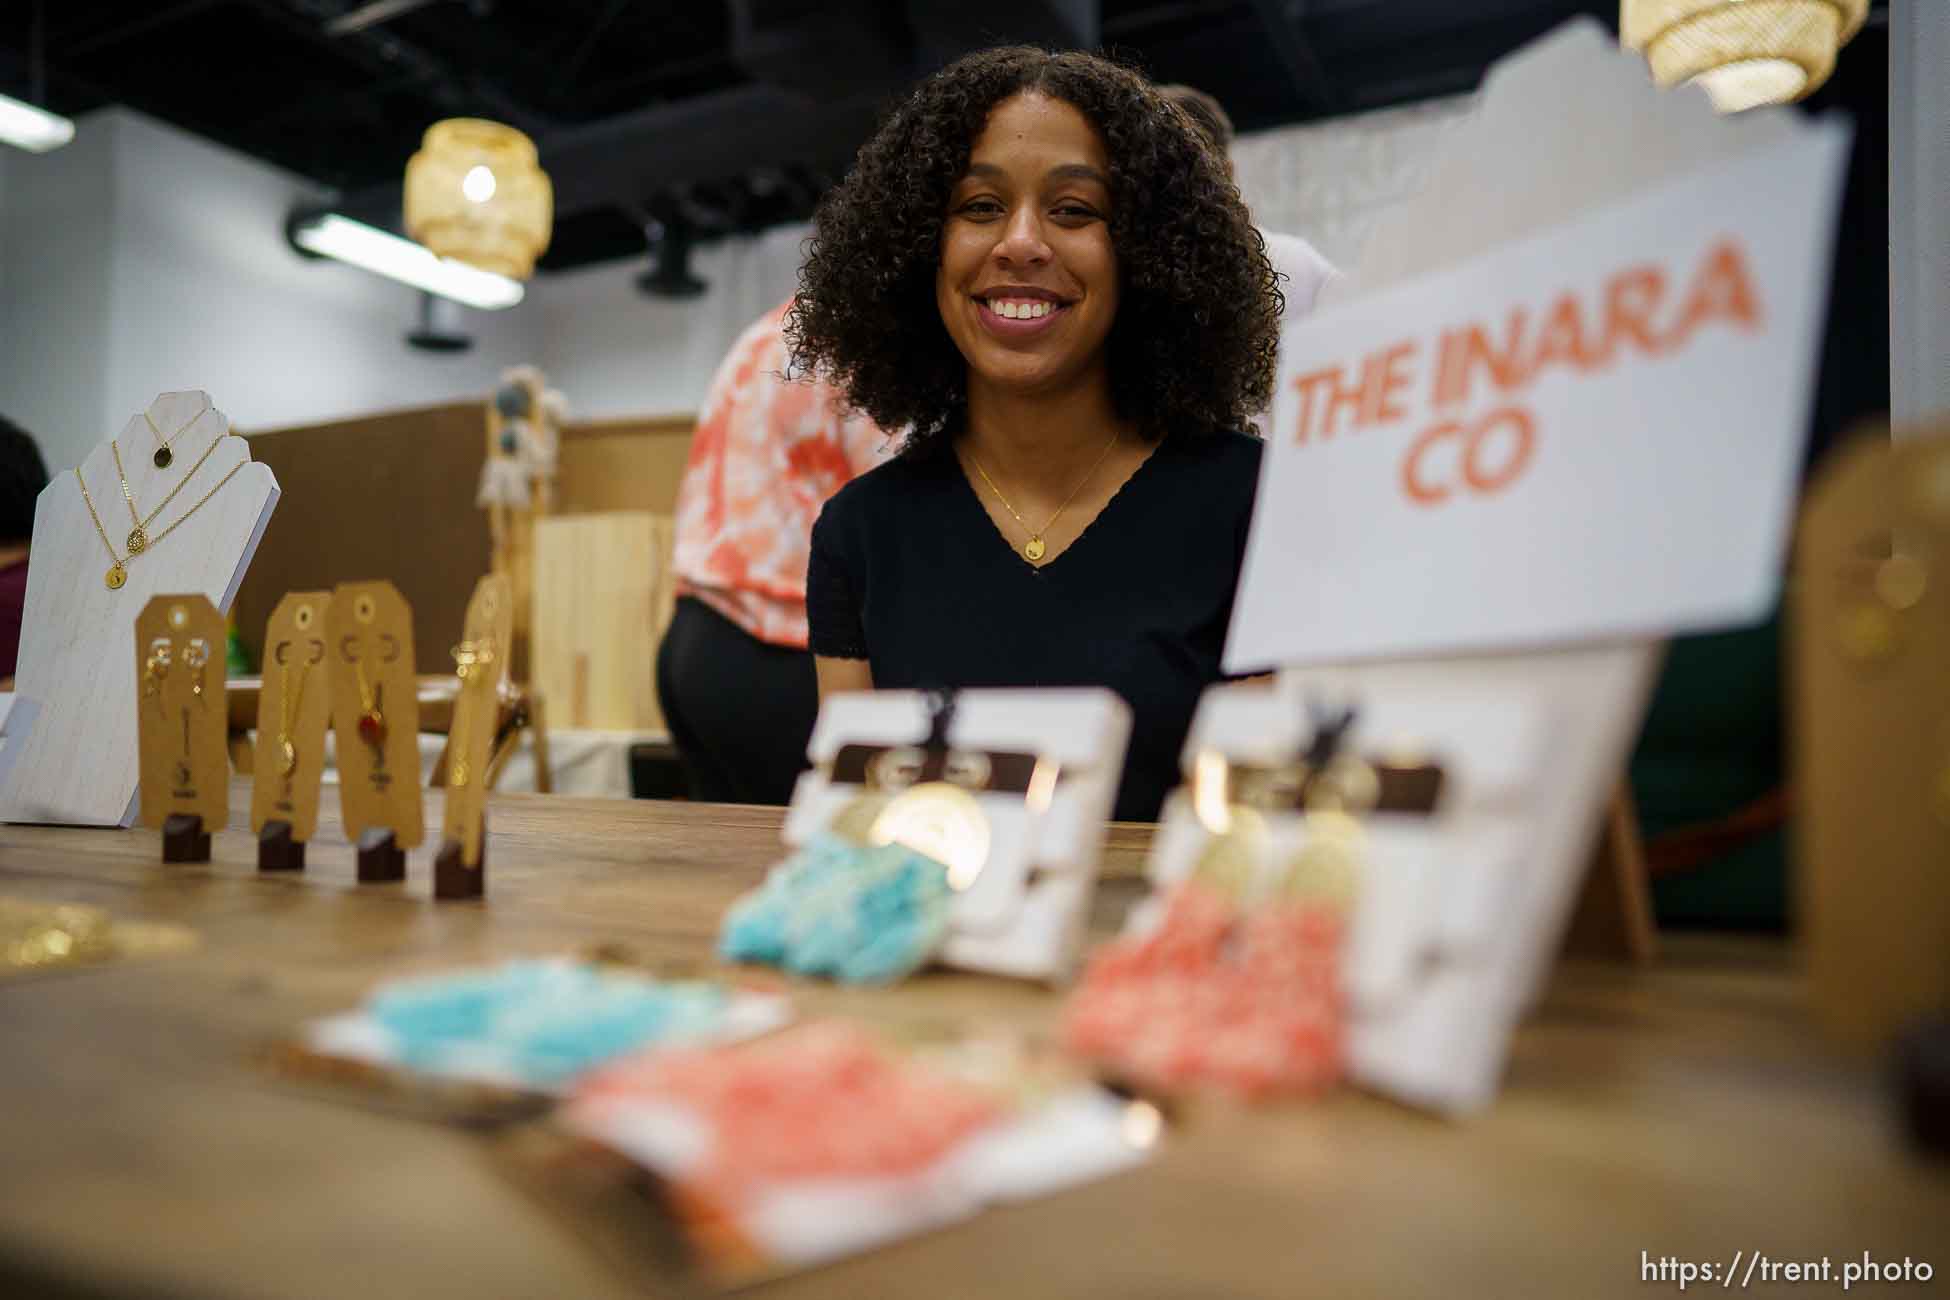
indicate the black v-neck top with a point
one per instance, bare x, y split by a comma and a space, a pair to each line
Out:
908, 572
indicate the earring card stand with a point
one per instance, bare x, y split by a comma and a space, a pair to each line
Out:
460, 866
1458, 913
294, 707
369, 645
1021, 905
1869, 641
185, 768
78, 764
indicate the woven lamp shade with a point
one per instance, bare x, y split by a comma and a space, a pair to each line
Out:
1744, 53
475, 193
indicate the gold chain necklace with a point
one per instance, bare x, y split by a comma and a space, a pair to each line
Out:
164, 455
471, 659
117, 571
1034, 549
139, 539
290, 704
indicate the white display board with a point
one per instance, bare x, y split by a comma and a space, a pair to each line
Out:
1594, 431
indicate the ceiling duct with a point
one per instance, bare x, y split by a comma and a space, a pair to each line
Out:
824, 49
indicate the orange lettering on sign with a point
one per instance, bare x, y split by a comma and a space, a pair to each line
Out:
1481, 473
1721, 289
1325, 394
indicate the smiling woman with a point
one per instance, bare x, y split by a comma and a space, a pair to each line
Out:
1041, 272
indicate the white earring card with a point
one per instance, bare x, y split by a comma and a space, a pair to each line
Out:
1042, 768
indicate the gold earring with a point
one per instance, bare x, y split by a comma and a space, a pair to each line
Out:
153, 672
195, 655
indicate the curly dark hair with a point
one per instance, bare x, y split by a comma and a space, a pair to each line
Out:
1193, 343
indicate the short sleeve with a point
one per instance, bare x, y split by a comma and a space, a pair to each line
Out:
833, 623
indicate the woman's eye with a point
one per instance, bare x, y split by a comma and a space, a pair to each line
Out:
981, 208
1076, 212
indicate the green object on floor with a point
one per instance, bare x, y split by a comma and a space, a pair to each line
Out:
1713, 744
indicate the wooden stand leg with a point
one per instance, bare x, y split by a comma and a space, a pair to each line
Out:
452, 877
277, 851
184, 839
381, 859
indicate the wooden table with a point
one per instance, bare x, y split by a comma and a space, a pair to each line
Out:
1678, 1110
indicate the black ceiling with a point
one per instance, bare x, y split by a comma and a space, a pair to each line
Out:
715, 114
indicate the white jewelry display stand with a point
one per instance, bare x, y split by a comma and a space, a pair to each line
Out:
77, 763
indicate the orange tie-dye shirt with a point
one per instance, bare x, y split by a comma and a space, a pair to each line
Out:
767, 453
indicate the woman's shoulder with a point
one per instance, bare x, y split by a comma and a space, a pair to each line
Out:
1226, 457
894, 483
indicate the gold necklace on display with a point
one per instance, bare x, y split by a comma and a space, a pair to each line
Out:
139, 539
290, 704
1034, 549
118, 566
164, 455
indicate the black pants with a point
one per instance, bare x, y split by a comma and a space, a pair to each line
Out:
740, 710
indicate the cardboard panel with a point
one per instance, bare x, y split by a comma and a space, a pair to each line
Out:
382, 496
633, 464
602, 600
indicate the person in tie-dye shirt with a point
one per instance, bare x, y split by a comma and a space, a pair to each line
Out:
733, 674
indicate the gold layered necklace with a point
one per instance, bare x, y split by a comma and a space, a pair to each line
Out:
118, 566
164, 455
139, 539
1034, 549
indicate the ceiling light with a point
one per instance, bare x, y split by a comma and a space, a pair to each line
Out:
327, 234
475, 193
1743, 53
478, 185
32, 129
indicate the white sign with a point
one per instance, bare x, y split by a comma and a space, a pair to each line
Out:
1592, 432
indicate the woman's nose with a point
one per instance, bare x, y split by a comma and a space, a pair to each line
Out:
1022, 241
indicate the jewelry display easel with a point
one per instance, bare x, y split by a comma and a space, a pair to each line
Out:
180, 710
481, 662
294, 706
78, 762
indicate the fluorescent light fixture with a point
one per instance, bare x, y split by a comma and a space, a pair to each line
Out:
331, 235
32, 129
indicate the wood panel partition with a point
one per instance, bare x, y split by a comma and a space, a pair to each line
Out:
381, 496
632, 464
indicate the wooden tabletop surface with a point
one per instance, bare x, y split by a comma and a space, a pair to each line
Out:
1683, 1110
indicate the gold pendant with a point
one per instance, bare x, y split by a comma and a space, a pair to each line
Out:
163, 457
457, 774
115, 577
138, 540
939, 821
1032, 550
287, 756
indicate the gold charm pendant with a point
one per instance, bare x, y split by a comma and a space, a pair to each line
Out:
138, 541
115, 577
1032, 550
287, 756
163, 457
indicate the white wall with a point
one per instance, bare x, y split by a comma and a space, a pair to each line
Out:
56, 263
1919, 210
144, 259
615, 352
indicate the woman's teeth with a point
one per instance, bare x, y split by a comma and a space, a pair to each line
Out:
1023, 309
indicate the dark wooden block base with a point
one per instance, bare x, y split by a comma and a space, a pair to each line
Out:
453, 878
1923, 1075
381, 859
184, 839
277, 851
